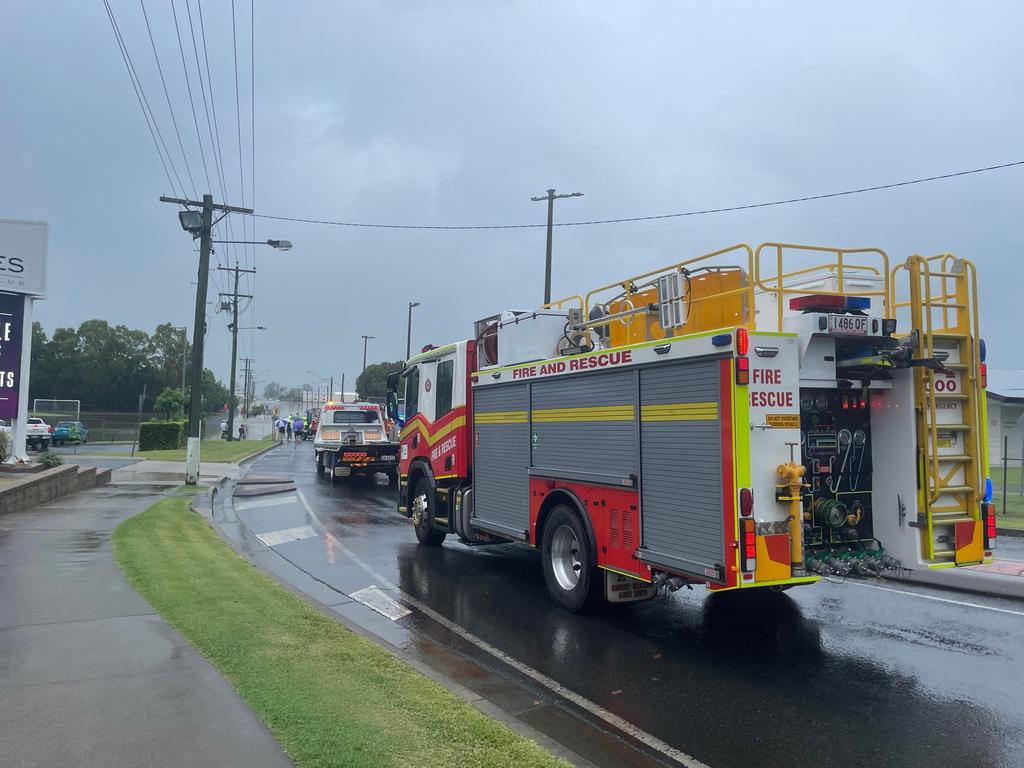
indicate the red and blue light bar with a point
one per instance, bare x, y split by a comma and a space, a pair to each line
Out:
828, 303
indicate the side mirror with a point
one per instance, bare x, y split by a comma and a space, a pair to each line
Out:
391, 406
393, 380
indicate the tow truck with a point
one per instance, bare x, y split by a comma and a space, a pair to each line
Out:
752, 418
351, 439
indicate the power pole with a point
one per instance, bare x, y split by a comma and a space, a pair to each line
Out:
343, 387
551, 197
408, 333
234, 340
246, 385
204, 230
330, 395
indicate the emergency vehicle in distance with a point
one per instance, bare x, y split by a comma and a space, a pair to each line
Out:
744, 419
351, 439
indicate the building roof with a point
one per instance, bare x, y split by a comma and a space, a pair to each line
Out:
1006, 385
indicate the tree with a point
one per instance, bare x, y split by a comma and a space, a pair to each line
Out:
273, 391
373, 381
170, 402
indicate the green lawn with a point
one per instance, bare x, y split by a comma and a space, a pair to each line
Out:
1009, 513
212, 450
331, 697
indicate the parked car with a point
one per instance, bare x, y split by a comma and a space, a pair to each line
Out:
38, 434
70, 432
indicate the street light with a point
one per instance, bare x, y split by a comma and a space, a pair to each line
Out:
366, 340
281, 245
408, 335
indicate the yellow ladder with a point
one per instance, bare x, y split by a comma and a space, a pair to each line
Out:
949, 406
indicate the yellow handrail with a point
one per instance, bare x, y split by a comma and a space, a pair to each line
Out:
776, 284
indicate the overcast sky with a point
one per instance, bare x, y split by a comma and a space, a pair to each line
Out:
459, 112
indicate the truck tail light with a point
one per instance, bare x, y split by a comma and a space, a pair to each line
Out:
742, 370
983, 372
746, 502
748, 546
988, 519
742, 342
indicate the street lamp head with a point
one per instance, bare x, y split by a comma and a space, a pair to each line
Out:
191, 221
281, 245
413, 304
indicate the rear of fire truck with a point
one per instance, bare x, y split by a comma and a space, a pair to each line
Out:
743, 419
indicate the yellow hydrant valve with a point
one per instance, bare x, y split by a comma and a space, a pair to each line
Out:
790, 491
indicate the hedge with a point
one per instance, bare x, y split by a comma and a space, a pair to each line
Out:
162, 435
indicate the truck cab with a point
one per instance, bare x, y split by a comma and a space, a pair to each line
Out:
352, 439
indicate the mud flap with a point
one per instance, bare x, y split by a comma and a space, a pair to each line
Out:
619, 588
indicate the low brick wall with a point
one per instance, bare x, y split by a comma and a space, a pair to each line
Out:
25, 492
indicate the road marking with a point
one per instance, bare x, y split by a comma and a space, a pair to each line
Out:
583, 703
273, 538
937, 599
373, 597
273, 502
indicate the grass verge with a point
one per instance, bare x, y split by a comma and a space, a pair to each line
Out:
1009, 510
212, 450
331, 697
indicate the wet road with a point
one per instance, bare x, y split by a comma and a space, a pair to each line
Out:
856, 674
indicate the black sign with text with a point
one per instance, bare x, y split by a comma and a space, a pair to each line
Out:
12, 314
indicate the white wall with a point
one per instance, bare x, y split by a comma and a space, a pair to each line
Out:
1004, 420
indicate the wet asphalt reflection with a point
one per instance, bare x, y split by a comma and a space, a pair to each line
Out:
827, 675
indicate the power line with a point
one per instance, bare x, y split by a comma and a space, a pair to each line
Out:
191, 100
238, 125
140, 94
701, 212
170, 108
215, 145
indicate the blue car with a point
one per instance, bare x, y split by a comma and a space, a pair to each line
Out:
70, 432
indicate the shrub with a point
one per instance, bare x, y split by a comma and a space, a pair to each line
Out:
5, 445
161, 435
49, 459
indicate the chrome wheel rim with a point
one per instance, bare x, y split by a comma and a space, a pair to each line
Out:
566, 560
419, 509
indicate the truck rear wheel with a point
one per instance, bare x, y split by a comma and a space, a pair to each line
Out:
319, 463
570, 566
423, 503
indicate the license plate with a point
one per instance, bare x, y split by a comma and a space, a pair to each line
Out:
387, 458
342, 471
852, 325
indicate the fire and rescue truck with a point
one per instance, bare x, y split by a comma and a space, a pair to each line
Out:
750, 418
352, 439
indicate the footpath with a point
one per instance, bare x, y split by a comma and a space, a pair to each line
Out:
1003, 577
89, 674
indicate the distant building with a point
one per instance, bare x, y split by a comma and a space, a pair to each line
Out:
1005, 400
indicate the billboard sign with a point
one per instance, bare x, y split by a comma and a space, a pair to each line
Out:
12, 316
23, 257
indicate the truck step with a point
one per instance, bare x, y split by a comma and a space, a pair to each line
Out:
951, 396
956, 458
951, 427
945, 553
952, 489
952, 518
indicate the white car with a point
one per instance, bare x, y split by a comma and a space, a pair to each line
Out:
38, 434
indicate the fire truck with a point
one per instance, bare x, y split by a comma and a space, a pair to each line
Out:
752, 418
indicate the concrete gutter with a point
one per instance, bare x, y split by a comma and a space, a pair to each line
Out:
1013, 533
966, 580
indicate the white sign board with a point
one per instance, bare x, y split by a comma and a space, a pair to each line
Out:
23, 257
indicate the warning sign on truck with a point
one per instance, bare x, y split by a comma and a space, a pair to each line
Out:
783, 420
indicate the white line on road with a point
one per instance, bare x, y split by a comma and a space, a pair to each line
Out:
273, 538
375, 598
272, 502
937, 599
539, 677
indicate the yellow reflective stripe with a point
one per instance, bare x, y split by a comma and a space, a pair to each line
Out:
680, 412
597, 413
500, 417
432, 438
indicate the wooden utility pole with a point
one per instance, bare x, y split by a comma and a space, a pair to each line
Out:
550, 197
235, 296
201, 230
